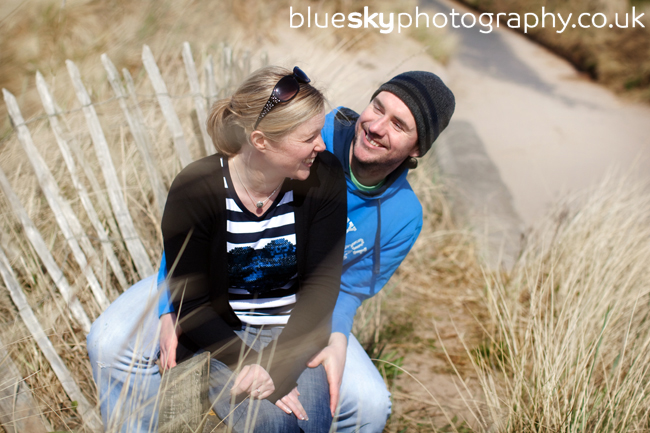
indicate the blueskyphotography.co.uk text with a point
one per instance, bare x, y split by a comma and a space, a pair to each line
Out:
389, 22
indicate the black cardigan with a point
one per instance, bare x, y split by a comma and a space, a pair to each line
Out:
194, 228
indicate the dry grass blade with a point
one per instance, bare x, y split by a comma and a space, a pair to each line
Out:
18, 409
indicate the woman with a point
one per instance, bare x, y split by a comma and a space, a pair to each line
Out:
253, 239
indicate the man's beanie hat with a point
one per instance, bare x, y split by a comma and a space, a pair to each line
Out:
429, 99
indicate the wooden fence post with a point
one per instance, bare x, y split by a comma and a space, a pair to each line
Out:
246, 64
87, 412
63, 213
44, 254
107, 245
226, 69
210, 83
199, 100
173, 123
124, 220
140, 137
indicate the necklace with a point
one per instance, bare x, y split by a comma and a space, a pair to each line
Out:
258, 204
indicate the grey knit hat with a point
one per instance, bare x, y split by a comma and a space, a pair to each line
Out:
429, 99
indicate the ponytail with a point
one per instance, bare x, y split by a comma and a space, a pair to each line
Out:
222, 125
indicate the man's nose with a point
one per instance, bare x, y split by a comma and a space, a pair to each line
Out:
378, 126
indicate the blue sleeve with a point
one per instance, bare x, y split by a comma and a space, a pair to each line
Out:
328, 129
164, 302
344, 311
359, 282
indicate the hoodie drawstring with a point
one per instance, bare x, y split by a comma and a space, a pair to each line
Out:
377, 252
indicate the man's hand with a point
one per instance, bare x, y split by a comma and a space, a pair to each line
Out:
253, 380
290, 404
169, 332
333, 359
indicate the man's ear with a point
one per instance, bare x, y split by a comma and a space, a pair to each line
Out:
258, 140
415, 152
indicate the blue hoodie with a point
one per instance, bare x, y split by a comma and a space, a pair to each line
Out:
382, 228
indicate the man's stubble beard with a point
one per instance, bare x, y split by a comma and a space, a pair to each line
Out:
383, 168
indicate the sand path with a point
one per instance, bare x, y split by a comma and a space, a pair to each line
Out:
547, 128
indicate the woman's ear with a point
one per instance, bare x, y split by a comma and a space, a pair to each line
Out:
259, 140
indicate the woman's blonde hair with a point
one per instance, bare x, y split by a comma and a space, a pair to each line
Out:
231, 120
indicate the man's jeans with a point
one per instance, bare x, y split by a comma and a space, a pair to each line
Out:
123, 347
365, 401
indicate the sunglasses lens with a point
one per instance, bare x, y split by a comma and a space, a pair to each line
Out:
286, 88
284, 91
300, 75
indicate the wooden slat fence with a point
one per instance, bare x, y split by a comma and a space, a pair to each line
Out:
99, 236
64, 147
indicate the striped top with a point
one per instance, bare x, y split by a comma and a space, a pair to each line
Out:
262, 267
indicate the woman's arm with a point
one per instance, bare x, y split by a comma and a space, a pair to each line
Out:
169, 332
192, 234
321, 236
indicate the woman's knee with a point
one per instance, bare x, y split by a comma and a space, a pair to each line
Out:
315, 398
99, 342
364, 404
260, 416
272, 419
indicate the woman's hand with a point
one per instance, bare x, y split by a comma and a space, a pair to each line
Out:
253, 380
169, 332
333, 359
290, 404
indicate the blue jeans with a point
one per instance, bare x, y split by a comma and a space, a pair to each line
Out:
264, 415
123, 348
365, 401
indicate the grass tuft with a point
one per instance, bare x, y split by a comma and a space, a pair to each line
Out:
575, 346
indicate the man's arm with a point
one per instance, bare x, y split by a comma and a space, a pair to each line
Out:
359, 282
351, 296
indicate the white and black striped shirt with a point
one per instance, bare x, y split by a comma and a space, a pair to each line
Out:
262, 267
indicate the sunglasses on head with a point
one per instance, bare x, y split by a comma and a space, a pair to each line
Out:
284, 91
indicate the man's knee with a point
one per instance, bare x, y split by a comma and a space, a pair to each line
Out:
371, 400
365, 400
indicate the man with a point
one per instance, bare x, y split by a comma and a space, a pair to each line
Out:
376, 148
